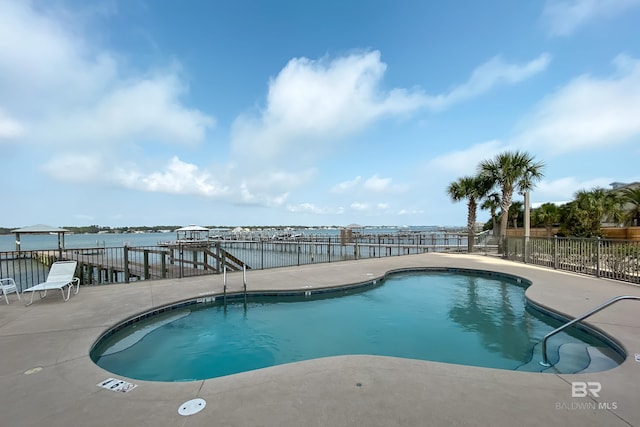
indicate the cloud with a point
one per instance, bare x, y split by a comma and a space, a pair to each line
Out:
375, 184
587, 113
144, 110
180, 178
346, 186
314, 209
311, 104
78, 167
563, 17
10, 128
465, 162
410, 212
563, 189
358, 206
488, 75
60, 91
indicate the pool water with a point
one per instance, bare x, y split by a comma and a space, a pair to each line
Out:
440, 316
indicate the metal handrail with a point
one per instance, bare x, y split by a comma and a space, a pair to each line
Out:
244, 283
545, 359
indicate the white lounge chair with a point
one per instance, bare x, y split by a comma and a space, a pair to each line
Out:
61, 275
8, 286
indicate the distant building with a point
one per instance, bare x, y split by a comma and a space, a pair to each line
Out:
616, 186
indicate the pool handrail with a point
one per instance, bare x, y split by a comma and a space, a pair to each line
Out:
545, 359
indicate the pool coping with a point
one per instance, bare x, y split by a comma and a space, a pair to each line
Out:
56, 337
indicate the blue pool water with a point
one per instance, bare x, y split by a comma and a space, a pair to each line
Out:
460, 318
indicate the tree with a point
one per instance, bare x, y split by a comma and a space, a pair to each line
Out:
631, 196
492, 203
511, 171
589, 209
471, 188
516, 213
547, 215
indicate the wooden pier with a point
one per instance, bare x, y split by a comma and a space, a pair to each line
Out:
112, 265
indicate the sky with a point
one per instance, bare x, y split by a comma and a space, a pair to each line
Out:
315, 113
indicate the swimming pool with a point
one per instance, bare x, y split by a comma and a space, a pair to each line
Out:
460, 317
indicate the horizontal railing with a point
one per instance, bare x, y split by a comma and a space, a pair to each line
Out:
103, 265
608, 258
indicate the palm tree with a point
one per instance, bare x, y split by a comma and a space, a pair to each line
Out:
589, 209
516, 211
631, 196
511, 171
492, 203
471, 188
546, 215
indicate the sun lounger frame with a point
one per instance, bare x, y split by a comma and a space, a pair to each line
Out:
61, 276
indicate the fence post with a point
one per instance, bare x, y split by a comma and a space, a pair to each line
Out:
598, 240
145, 255
163, 265
555, 252
126, 264
261, 254
355, 248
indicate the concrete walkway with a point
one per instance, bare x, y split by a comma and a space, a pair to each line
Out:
48, 379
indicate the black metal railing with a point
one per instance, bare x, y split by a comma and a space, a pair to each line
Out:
102, 265
608, 258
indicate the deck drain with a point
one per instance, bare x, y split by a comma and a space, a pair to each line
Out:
192, 406
115, 384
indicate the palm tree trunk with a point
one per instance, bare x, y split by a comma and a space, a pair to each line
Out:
471, 222
504, 219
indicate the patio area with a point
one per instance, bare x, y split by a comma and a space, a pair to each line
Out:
48, 379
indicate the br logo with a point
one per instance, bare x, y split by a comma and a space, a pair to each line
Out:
583, 389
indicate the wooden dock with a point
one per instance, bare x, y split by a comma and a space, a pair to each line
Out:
112, 265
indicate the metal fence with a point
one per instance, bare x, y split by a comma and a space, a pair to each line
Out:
614, 259
104, 265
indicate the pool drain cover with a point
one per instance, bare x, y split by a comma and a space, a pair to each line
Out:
192, 406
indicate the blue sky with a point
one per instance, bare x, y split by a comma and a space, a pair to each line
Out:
310, 113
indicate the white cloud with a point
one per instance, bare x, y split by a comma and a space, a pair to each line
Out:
313, 103
145, 110
66, 93
10, 128
486, 76
588, 112
375, 184
77, 167
410, 212
465, 162
314, 209
359, 206
346, 186
563, 189
180, 178
563, 17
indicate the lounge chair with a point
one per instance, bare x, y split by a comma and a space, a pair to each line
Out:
60, 276
8, 286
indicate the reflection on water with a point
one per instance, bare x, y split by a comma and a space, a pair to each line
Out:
496, 314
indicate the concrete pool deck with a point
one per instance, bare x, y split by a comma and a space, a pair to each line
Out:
48, 379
